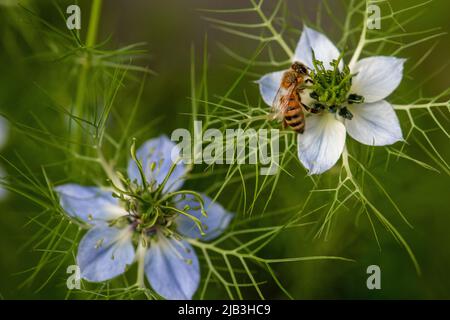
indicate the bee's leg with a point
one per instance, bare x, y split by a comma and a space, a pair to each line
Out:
306, 107
285, 125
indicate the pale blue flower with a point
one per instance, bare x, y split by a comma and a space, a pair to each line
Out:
108, 248
374, 122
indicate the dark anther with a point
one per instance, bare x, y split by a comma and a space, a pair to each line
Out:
332, 109
354, 98
317, 107
314, 95
344, 113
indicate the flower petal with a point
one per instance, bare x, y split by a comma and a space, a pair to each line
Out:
214, 224
158, 152
321, 145
377, 77
3, 131
324, 49
374, 124
172, 268
269, 85
105, 253
90, 204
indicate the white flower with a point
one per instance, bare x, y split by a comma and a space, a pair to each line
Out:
374, 122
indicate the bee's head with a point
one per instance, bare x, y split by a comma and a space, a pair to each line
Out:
300, 68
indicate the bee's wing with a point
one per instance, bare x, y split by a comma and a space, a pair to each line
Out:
281, 101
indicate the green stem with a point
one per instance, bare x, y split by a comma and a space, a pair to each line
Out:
345, 163
421, 106
276, 36
362, 40
90, 42
93, 22
109, 170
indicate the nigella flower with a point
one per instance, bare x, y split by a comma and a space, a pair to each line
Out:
350, 98
147, 219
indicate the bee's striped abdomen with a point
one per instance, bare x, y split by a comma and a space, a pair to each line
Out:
294, 116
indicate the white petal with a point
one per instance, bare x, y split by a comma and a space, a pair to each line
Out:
321, 145
324, 49
374, 124
377, 77
105, 253
269, 85
305, 95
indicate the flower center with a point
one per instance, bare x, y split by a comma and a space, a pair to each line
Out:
148, 211
331, 88
150, 208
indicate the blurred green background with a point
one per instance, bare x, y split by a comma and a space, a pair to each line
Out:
30, 79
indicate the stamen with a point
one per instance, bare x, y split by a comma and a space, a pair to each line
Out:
166, 179
345, 113
354, 98
99, 243
176, 251
195, 219
138, 163
331, 88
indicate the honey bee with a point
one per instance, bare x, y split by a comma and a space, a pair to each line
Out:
287, 105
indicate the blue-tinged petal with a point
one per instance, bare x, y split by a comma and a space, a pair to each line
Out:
104, 253
157, 157
214, 224
321, 146
172, 268
374, 124
377, 77
269, 85
90, 204
324, 49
